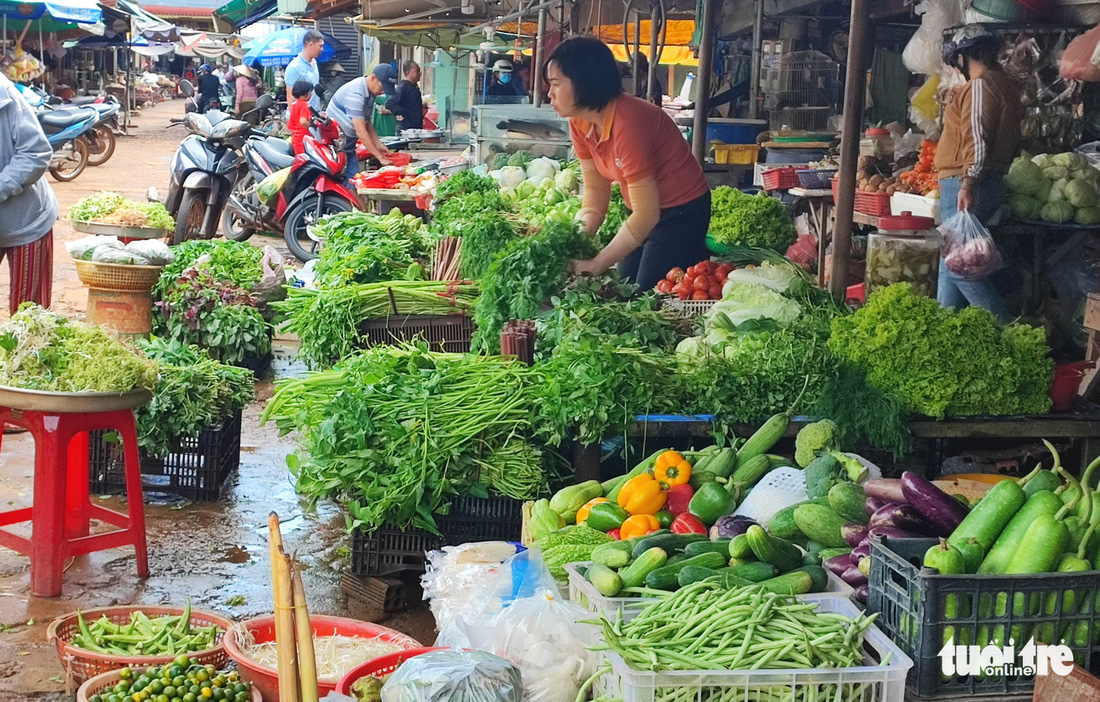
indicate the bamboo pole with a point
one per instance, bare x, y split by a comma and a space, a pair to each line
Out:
284, 614
307, 660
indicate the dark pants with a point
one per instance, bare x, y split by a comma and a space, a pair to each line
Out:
679, 239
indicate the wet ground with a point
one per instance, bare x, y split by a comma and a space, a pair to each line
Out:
216, 553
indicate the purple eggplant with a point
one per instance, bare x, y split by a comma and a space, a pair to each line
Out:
730, 526
902, 517
853, 534
838, 564
853, 577
862, 550
861, 593
891, 533
874, 504
940, 509
887, 489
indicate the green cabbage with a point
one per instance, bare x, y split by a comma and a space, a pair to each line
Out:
567, 180
1058, 212
1087, 174
1070, 160
1087, 215
1025, 207
1055, 173
1025, 178
1058, 191
1081, 194
780, 277
1043, 193
746, 301
1042, 160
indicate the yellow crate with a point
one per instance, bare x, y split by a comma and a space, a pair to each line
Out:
721, 154
742, 154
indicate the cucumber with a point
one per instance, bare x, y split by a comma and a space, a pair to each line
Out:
750, 471
739, 547
992, 514
821, 524
614, 554
1004, 548
781, 554
782, 522
667, 541
811, 558
721, 546
676, 558
755, 572
762, 440
797, 583
813, 546
817, 574
667, 577
635, 573
828, 553
849, 501
729, 580
605, 580
693, 574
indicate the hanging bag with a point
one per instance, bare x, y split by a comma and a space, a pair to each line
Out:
968, 248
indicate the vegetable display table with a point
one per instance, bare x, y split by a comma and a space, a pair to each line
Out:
62, 509
1050, 242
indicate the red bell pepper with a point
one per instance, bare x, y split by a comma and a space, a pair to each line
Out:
688, 523
678, 498
614, 533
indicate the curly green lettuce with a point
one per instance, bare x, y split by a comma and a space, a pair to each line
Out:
750, 220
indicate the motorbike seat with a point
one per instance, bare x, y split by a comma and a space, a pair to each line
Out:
83, 100
60, 120
276, 152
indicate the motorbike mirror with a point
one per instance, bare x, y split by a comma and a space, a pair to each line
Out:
186, 88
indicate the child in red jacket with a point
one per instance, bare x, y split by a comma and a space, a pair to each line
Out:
298, 120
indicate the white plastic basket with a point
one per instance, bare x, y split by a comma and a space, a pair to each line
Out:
872, 682
778, 490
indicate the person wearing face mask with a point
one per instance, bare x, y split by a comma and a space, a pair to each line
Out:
501, 84
981, 136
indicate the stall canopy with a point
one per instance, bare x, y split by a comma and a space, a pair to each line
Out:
280, 48
71, 11
241, 13
149, 25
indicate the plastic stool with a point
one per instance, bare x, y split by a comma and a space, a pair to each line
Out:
62, 509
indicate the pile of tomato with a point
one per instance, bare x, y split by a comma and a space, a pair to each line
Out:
703, 281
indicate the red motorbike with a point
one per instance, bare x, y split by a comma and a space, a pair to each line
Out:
314, 188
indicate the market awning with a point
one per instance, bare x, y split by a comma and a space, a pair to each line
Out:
677, 33
149, 25
671, 56
241, 13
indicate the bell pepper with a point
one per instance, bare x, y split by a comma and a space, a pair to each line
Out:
615, 534
711, 502
688, 523
569, 500
606, 516
582, 513
672, 469
665, 518
638, 525
642, 494
679, 496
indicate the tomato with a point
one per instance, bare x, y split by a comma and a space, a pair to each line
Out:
664, 286
675, 275
709, 266
699, 295
681, 291
723, 270
715, 291
689, 278
702, 282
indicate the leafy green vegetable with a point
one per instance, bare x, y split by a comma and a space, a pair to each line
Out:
232, 261
365, 248
95, 207
462, 183
751, 220
158, 216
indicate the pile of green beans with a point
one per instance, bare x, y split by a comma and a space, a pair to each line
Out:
142, 636
707, 627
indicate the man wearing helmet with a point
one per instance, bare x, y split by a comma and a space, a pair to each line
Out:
501, 84
209, 88
981, 134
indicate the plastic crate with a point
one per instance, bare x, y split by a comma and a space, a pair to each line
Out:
471, 519
912, 603
873, 204
692, 307
781, 178
736, 154
871, 682
197, 469
442, 332
814, 179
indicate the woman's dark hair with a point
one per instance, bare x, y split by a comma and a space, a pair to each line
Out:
592, 68
301, 88
985, 50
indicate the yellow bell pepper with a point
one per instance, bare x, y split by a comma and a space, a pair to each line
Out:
582, 513
642, 494
672, 469
638, 525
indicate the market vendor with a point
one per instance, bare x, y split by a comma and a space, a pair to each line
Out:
353, 105
981, 135
622, 139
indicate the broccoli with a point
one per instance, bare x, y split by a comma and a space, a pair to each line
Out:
853, 469
520, 158
499, 161
818, 436
821, 475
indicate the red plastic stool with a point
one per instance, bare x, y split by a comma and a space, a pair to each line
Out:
62, 509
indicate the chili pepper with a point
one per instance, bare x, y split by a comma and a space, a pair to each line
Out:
638, 525
642, 495
679, 496
688, 523
582, 513
606, 516
672, 469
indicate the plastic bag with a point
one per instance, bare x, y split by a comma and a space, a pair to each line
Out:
454, 676
269, 187
153, 250
968, 249
84, 247
272, 283
110, 254
1080, 60
458, 574
924, 52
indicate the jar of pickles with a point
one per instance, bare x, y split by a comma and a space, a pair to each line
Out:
905, 249
877, 143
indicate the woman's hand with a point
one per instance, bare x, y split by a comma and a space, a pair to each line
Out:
965, 200
590, 266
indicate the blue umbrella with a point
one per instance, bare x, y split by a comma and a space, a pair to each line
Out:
280, 48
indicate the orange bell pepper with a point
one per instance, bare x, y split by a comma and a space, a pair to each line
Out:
642, 494
638, 525
582, 513
671, 469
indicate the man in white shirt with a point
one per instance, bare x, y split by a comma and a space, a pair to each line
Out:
304, 67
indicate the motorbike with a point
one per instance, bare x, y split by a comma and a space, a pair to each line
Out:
100, 139
314, 188
266, 116
203, 172
63, 129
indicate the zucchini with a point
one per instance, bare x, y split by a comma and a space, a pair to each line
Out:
1043, 480
751, 470
782, 554
739, 547
828, 553
850, 502
721, 546
991, 515
605, 580
667, 576
782, 522
756, 572
667, 541
762, 440
635, 573
820, 579
614, 554
693, 574
797, 583
811, 558
1004, 547
821, 524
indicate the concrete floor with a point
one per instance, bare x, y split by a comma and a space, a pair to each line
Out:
215, 553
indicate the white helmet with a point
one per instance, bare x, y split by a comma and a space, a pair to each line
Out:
502, 66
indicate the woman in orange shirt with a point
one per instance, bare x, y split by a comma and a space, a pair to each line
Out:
622, 139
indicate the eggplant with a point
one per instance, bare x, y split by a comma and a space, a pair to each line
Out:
730, 526
837, 565
874, 504
853, 577
862, 592
888, 489
863, 550
942, 510
891, 533
854, 534
902, 517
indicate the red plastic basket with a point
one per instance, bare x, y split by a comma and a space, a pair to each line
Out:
781, 179
383, 665
401, 158
104, 681
874, 204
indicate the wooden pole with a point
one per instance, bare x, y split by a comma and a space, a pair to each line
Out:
654, 35
702, 81
307, 660
757, 61
284, 614
854, 87
540, 60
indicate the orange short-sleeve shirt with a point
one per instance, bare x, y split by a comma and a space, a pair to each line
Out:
638, 140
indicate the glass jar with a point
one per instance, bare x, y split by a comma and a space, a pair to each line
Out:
905, 249
877, 143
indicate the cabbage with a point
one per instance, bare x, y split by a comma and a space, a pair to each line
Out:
567, 180
1024, 156
511, 176
1025, 207
1055, 173
1087, 215
1081, 194
1087, 174
1042, 161
1058, 191
1043, 193
745, 301
541, 169
1025, 177
777, 276
1059, 212
691, 346
1070, 160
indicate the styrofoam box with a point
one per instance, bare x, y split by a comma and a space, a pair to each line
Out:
880, 679
918, 205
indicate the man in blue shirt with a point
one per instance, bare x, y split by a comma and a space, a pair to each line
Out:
351, 109
304, 67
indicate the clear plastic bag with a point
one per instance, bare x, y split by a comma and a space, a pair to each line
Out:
269, 187
968, 249
272, 284
84, 247
153, 250
1079, 62
454, 676
924, 52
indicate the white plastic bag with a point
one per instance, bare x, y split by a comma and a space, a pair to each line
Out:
153, 250
272, 283
454, 676
924, 52
968, 249
85, 247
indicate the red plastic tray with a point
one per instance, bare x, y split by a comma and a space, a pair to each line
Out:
383, 665
781, 179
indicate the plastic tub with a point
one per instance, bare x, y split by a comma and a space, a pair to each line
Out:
103, 681
735, 131
1067, 378
383, 665
266, 680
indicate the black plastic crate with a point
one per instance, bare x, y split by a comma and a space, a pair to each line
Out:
197, 469
921, 610
387, 551
451, 333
